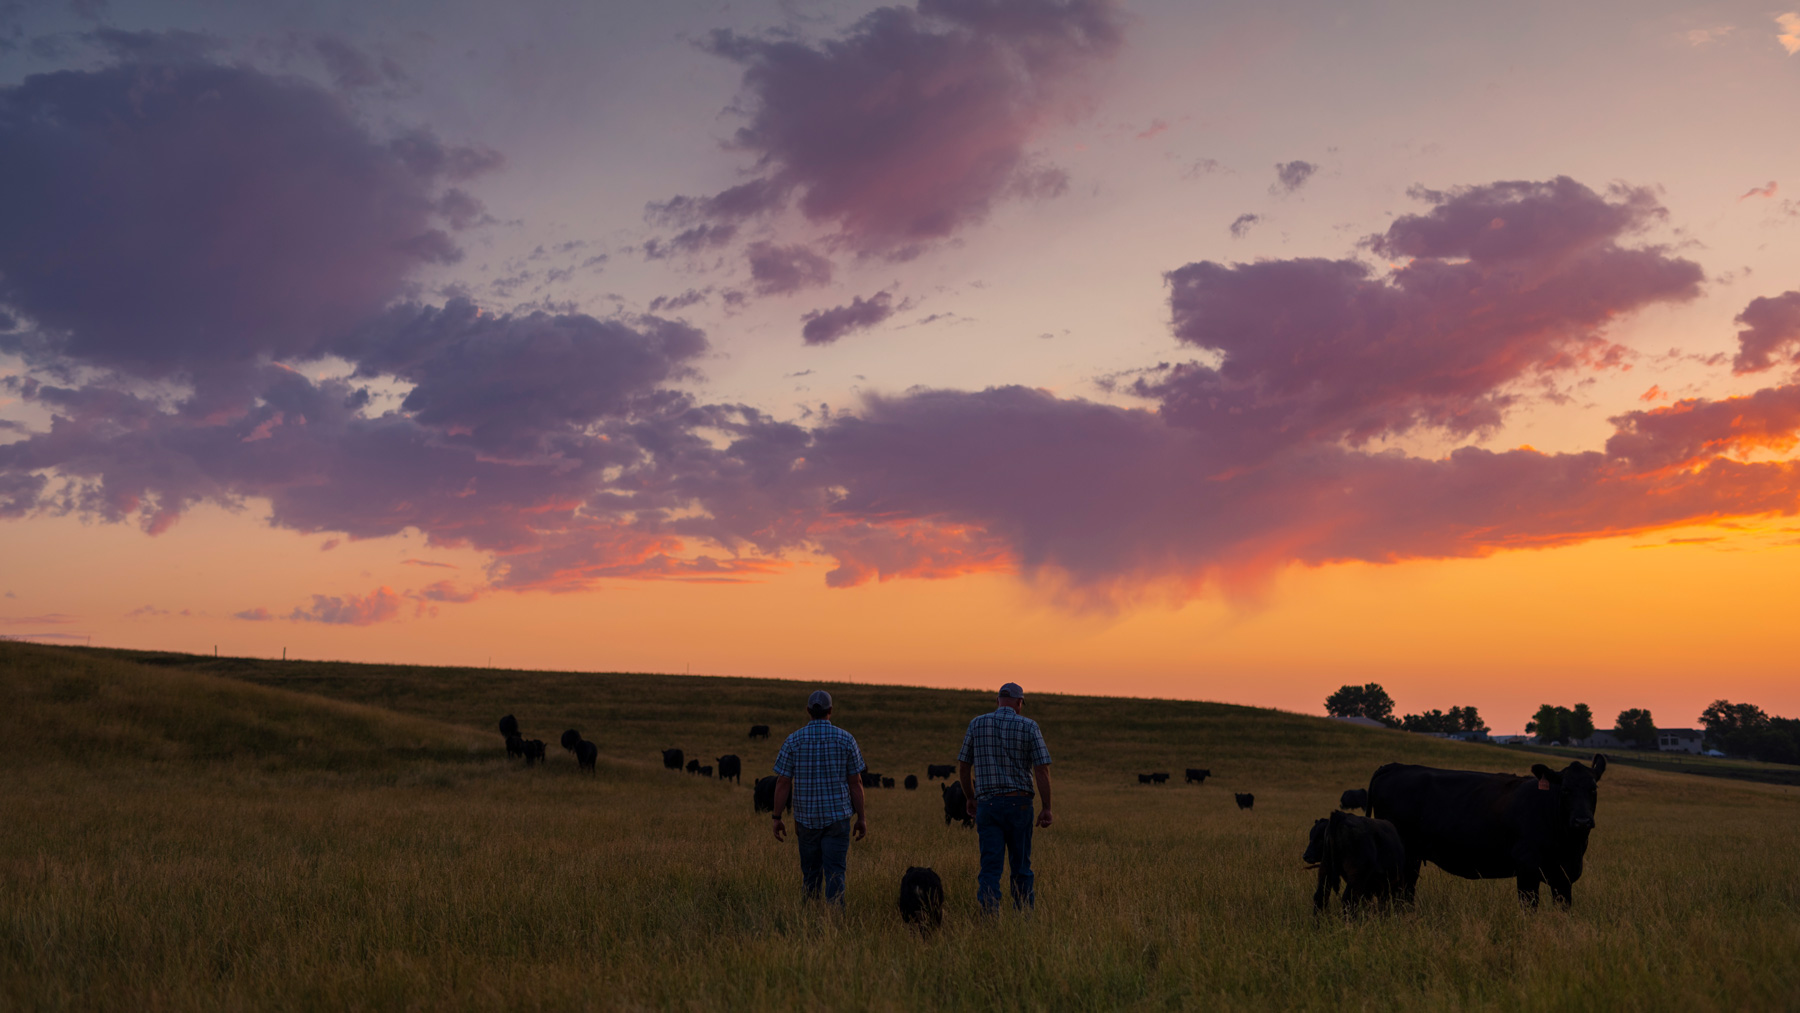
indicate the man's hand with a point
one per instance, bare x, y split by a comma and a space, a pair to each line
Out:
858, 829
971, 806
1044, 818
780, 831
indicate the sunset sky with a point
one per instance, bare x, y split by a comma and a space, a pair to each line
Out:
1228, 351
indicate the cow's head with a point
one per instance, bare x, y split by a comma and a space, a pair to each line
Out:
1315, 845
1577, 787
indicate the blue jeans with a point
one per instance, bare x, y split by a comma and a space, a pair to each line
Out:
1004, 825
824, 853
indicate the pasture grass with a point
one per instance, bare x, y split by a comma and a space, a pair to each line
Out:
191, 834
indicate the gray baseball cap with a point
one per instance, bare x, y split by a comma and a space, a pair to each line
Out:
1012, 691
820, 698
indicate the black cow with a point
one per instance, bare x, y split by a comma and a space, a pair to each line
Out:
933, 771
671, 759
1144, 778
534, 751
956, 804
759, 731
1353, 799
871, 780
1492, 826
1194, 774
1366, 855
763, 795
1245, 801
585, 751
705, 771
912, 782
731, 768
1159, 778
922, 899
515, 746
887, 782
509, 726
693, 766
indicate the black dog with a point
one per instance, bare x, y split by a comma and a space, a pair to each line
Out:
1245, 801
922, 899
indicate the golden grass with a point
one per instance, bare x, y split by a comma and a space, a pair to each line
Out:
174, 840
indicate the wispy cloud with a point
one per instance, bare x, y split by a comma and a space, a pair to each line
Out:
1767, 190
1790, 31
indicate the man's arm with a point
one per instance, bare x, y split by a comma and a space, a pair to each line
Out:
784, 790
965, 771
856, 806
1041, 773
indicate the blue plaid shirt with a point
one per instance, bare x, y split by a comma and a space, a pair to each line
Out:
821, 758
1004, 746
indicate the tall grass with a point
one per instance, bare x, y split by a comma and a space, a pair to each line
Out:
175, 859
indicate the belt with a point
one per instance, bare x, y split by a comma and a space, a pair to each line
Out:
1011, 794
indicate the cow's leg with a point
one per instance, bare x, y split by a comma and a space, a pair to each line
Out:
1528, 886
1410, 878
1561, 887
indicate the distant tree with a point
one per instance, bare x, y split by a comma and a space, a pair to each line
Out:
1724, 719
1744, 729
1456, 719
1365, 701
1635, 725
1581, 722
1550, 723
1467, 720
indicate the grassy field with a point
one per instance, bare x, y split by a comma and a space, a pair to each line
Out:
1689, 763
190, 833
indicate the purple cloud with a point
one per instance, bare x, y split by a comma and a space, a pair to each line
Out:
913, 123
230, 215
1771, 331
778, 270
1240, 226
822, 327
378, 606
1291, 176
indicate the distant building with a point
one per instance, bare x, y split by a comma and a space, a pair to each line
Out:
1602, 740
1470, 736
1364, 722
1678, 740
1512, 740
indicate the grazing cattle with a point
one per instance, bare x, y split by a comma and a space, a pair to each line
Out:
1159, 778
1355, 798
956, 805
912, 782
934, 771
515, 746
871, 780
1493, 826
887, 782
671, 759
585, 751
1245, 801
509, 726
763, 795
759, 731
693, 766
534, 751
922, 899
1196, 775
731, 768
705, 771
1366, 855
1144, 779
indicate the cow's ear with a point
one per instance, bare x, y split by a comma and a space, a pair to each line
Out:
1544, 773
1599, 766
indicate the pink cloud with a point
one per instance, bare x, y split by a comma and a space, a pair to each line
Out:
822, 327
1760, 191
379, 605
912, 124
1771, 332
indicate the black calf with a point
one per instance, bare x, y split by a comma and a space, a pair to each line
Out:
1194, 774
759, 731
731, 768
534, 751
671, 759
912, 782
1245, 801
1355, 798
933, 771
1159, 778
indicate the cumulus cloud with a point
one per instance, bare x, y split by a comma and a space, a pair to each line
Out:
1240, 226
777, 270
228, 215
822, 327
1771, 332
913, 123
1291, 176
378, 606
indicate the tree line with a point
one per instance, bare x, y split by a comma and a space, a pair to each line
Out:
1736, 729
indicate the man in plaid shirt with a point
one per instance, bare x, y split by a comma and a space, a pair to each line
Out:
819, 768
1002, 754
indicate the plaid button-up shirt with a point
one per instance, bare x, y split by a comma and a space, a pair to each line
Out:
821, 758
1004, 747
